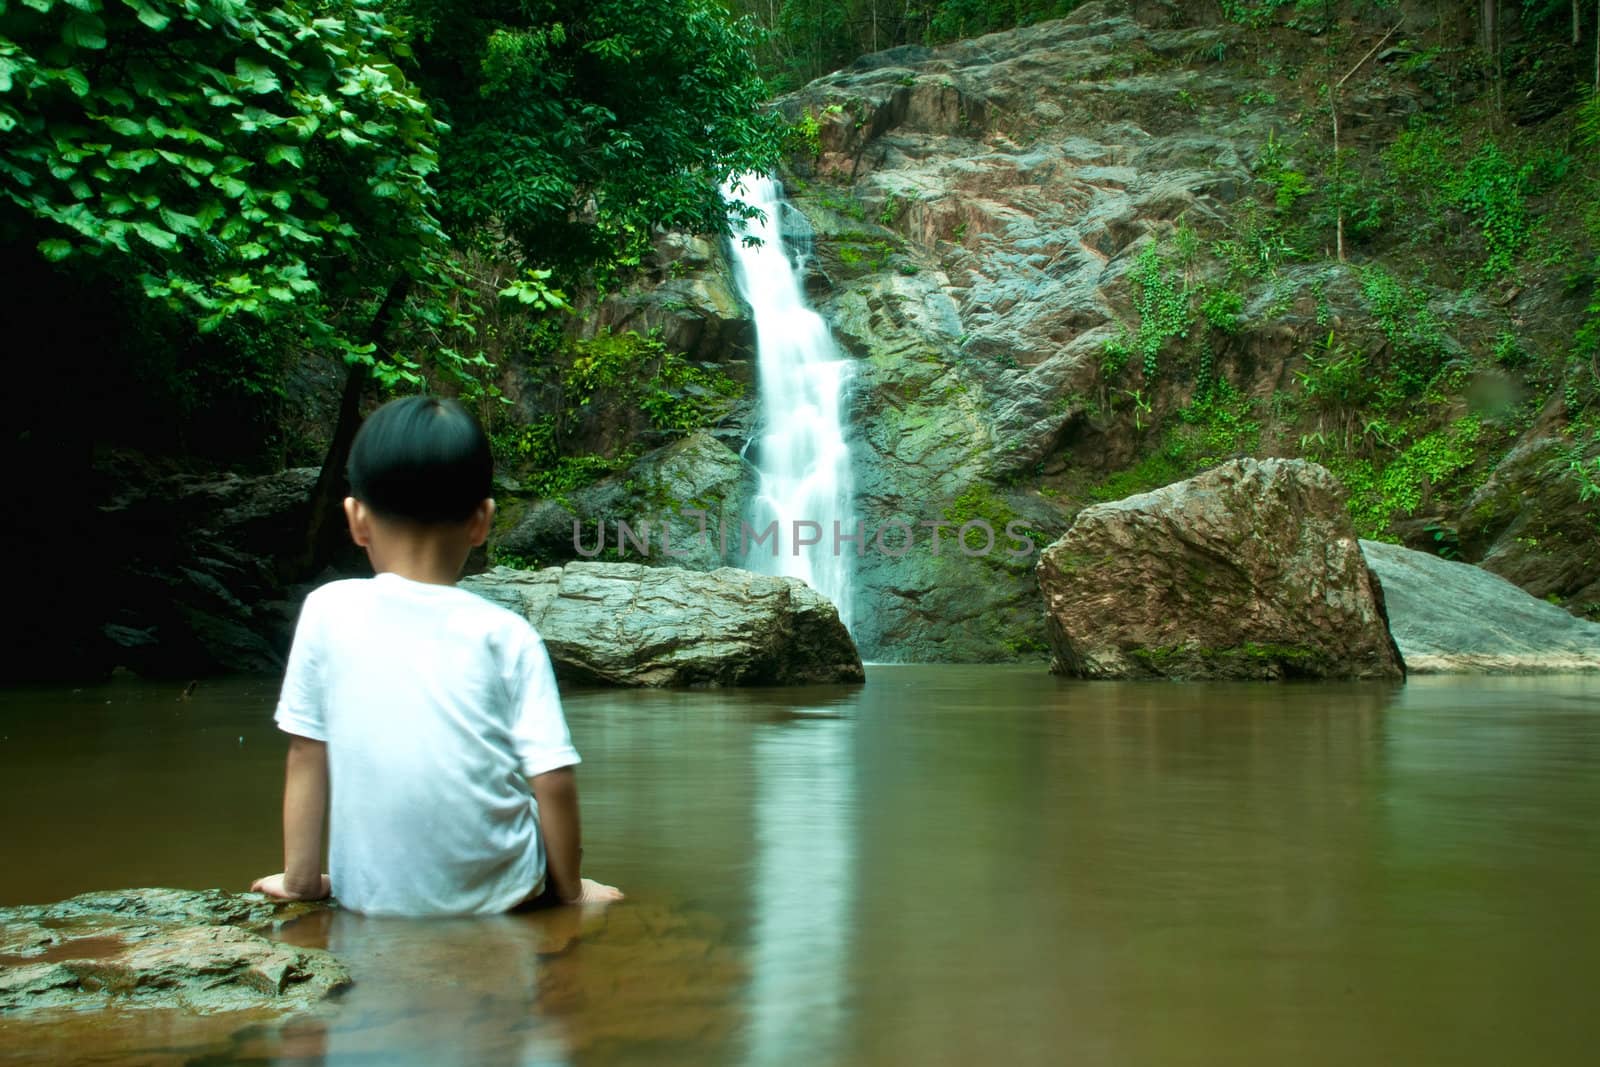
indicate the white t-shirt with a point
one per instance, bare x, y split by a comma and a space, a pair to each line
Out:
434, 704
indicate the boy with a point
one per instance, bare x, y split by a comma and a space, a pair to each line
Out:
426, 711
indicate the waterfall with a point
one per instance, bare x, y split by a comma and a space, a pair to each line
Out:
800, 449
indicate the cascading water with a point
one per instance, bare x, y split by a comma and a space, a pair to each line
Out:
804, 463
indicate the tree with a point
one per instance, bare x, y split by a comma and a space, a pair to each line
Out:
577, 127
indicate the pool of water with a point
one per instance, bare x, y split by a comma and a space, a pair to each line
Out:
947, 865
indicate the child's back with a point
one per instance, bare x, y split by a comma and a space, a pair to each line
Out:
434, 704
430, 715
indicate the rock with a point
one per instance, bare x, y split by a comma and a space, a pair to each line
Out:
1250, 570
1451, 617
1529, 523
688, 296
198, 951
192, 571
698, 472
632, 625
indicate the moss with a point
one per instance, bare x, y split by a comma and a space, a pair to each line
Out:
1252, 659
1071, 562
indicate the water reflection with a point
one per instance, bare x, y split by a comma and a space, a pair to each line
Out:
803, 887
550, 987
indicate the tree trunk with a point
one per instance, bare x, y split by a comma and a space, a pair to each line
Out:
1490, 12
1338, 175
1333, 108
325, 530
1577, 24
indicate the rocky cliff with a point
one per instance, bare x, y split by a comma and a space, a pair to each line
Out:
1081, 259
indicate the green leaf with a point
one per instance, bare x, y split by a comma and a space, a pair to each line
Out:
209, 213
162, 239
153, 18
55, 249
179, 222
283, 153
76, 79
257, 77
85, 31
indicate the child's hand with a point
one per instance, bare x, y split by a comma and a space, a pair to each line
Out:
592, 892
274, 886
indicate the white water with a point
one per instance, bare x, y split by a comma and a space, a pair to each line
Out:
801, 452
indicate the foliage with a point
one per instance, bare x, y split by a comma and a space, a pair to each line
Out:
1415, 333
1223, 309
577, 127
1223, 421
1383, 487
533, 290
636, 370
1336, 384
1219, 422
802, 39
1162, 301
804, 135
1493, 191
262, 163
1258, 243
1488, 188
1255, 13
862, 252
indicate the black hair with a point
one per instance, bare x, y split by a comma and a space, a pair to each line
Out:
423, 459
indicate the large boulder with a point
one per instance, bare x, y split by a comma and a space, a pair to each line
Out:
632, 625
196, 951
1456, 618
1250, 570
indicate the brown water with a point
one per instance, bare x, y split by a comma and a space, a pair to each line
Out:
950, 865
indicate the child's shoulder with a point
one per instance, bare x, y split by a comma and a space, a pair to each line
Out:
457, 609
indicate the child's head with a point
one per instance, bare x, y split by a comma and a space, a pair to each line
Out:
421, 459
420, 478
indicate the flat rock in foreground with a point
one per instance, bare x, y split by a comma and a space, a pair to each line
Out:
198, 951
1450, 617
1249, 570
632, 625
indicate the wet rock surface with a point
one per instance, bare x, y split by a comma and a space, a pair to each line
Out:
197, 951
1451, 617
1250, 570
632, 625
698, 474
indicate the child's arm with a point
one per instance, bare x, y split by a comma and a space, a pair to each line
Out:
557, 794
305, 803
